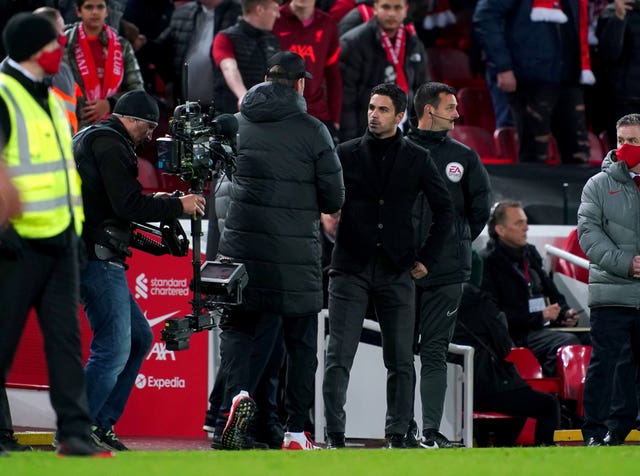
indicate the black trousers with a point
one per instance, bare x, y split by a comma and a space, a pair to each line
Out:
522, 403
267, 357
300, 338
393, 294
542, 109
46, 279
610, 385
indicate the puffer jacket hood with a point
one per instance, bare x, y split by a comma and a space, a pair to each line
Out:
269, 102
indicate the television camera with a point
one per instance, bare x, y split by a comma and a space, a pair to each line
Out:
201, 147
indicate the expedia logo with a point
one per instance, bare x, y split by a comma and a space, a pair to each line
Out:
143, 381
142, 290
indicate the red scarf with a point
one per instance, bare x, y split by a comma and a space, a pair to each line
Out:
113, 68
395, 55
551, 11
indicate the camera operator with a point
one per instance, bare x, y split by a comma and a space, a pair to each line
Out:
113, 198
287, 173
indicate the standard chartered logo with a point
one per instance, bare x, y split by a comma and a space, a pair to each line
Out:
150, 381
146, 287
142, 290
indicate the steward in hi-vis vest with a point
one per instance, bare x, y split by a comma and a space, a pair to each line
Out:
39, 245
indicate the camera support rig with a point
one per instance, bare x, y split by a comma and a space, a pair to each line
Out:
200, 147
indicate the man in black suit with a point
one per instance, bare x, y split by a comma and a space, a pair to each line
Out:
375, 256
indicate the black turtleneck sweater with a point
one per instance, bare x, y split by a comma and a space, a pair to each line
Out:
383, 152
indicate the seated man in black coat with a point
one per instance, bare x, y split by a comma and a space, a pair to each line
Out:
497, 386
514, 276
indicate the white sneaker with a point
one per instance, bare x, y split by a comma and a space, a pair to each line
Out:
298, 441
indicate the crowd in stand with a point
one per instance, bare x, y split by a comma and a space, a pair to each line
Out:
363, 70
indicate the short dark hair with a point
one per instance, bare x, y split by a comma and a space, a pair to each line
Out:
277, 69
79, 3
498, 213
628, 120
429, 93
395, 93
249, 5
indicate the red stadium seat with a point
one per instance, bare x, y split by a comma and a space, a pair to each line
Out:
553, 157
530, 370
451, 66
573, 361
476, 108
607, 142
506, 142
572, 245
475, 137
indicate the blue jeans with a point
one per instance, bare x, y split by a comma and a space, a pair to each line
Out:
121, 339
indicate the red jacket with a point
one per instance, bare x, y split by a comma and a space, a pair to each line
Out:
318, 44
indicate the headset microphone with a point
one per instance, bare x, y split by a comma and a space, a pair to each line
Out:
442, 117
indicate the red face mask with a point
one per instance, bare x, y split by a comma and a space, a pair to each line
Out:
50, 61
630, 154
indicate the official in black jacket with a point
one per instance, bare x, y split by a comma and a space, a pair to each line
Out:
113, 198
438, 294
375, 256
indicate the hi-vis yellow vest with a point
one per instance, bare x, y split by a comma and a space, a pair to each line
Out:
39, 157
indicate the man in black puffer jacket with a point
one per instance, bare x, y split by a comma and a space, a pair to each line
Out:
287, 173
438, 294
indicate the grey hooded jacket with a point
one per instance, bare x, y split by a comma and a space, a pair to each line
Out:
609, 233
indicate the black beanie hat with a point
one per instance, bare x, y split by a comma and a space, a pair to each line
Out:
26, 34
138, 104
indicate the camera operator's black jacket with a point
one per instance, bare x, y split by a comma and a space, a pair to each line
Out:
468, 184
287, 173
108, 166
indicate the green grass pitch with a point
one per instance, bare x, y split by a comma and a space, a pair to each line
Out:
565, 461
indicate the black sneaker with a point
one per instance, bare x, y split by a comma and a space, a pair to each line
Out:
8, 442
395, 441
433, 439
335, 441
594, 441
107, 439
412, 438
610, 439
81, 446
234, 435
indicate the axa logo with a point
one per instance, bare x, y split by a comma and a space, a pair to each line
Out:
160, 352
142, 287
306, 51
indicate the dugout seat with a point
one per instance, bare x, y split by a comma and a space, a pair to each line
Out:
573, 361
476, 108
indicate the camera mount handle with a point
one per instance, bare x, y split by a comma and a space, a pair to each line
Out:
200, 319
